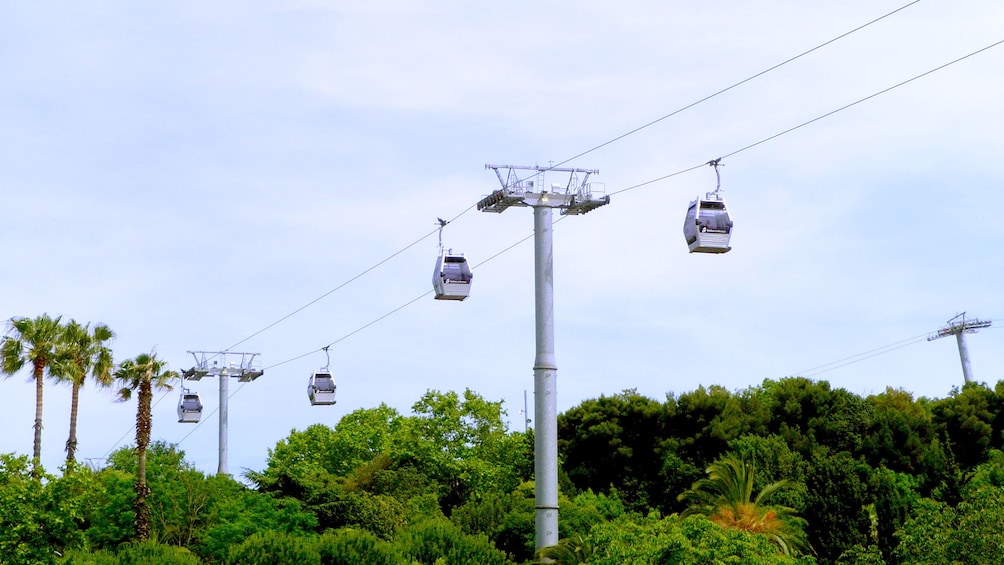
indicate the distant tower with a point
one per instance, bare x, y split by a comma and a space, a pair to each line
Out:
247, 369
959, 326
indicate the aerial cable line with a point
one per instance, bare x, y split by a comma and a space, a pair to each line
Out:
357, 330
813, 120
339, 287
347, 282
806, 373
750, 146
403, 306
728, 88
826, 367
130, 430
344, 337
395, 310
646, 183
652, 181
604, 144
855, 103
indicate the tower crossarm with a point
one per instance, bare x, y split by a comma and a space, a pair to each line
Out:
241, 365
578, 194
959, 324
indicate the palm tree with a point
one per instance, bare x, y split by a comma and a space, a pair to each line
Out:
143, 374
725, 496
83, 353
32, 341
569, 551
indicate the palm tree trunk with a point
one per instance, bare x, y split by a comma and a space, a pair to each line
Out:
36, 457
143, 417
71, 443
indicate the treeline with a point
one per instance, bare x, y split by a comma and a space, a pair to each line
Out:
74, 354
882, 479
790, 471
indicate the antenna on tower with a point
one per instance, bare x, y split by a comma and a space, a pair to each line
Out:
959, 326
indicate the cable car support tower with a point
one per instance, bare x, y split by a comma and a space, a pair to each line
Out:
574, 198
245, 367
959, 326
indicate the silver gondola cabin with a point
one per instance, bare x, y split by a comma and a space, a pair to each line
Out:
452, 277
708, 226
189, 407
321, 388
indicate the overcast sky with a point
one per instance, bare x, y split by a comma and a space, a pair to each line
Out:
190, 173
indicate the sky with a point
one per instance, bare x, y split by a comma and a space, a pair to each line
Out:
266, 177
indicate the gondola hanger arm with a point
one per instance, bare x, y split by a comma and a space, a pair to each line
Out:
717, 163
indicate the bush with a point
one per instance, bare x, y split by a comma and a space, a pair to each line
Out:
355, 547
142, 553
82, 557
275, 548
436, 542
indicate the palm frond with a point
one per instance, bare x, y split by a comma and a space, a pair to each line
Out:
725, 496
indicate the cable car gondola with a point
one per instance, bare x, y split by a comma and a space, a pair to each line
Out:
708, 226
452, 277
321, 386
189, 407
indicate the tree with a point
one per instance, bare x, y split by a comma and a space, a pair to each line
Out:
207, 514
675, 540
39, 516
576, 550
901, 432
235, 512
32, 341
143, 374
507, 518
693, 418
970, 532
83, 352
362, 435
966, 418
774, 461
860, 555
926, 536
808, 414
108, 516
637, 540
615, 441
895, 495
837, 501
463, 445
299, 465
311, 458
341, 474
726, 498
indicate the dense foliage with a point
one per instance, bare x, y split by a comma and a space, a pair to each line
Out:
791, 471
